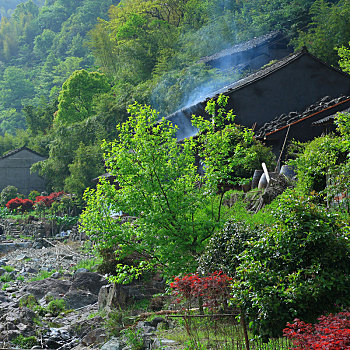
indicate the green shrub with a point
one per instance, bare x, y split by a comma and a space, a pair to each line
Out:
8, 193
28, 301
299, 267
317, 159
8, 268
55, 307
25, 342
222, 252
133, 338
42, 275
5, 286
6, 277
33, 194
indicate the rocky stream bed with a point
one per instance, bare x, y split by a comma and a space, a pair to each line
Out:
36, 275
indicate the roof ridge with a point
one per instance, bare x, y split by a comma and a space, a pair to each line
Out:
14, 151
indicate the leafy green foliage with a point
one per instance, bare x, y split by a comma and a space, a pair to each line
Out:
56, 306
26, 342
8, 193
329, 28
297, 268
160, 187
230, 151
76, 99
316, 160
223, 249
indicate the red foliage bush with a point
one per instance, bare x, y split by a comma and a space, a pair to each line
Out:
48, 200
214, 289
332, 332
20, 204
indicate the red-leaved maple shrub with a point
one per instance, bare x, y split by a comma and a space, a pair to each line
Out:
48, 200
20, 204
215, 289
331, 332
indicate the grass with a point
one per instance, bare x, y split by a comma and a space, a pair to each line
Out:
42, 275
8, 268
89, 264
216, 333
5, 286
6, 277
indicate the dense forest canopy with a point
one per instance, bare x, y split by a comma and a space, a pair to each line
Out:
144, 50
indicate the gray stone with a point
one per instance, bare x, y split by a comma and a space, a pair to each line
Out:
56, 275
21, 257
164, 343
49, 285
96, 336
80, 270
89, 281
79, 298
113, 344
10, 335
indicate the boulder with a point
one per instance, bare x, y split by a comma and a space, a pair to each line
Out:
113, 344
96, 336
48, 286
88, 281
75, 299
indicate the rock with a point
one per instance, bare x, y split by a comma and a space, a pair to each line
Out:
49, 285
21, 257
96, 336
145, 327
80, 270
10, 335
3, 297
37, 245
2, 271
56, 275
68, 257
76, 299
160, 343
113, 344
89, 281
157, 320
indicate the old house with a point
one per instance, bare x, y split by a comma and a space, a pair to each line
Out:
291, 84
252, 54
15, 170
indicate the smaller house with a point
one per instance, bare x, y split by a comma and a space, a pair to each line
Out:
252, 54
15, 171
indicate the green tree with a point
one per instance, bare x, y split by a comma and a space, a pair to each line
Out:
229, 151
15, 87
43, 42
87, 165
160, 187
76, 100
329, 28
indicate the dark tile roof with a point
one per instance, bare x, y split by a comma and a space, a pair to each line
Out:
284, 120
330, 118
248, 45
105, 176
10, 153
199, 106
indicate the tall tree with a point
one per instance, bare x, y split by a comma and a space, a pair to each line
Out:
76, 99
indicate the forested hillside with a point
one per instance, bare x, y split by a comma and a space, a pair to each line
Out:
8, 6
66, 77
